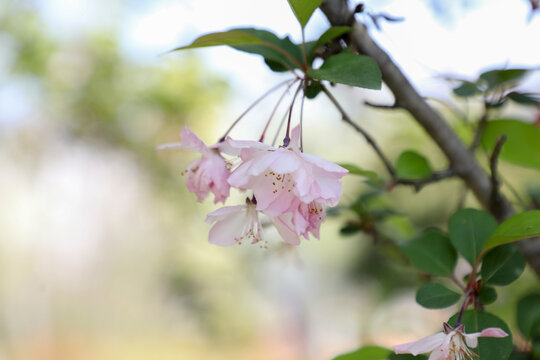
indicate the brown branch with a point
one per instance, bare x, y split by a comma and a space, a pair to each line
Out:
461, 159
480, 128
436, 176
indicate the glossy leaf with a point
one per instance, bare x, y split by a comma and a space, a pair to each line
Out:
524, 98
432, 252
502, 265
488, 347
332, 33
436, 296
278, 53
466, 89
522, 141
412, 165
231, 38
349, 69
369, 352
273, 49
469, 231
303, 9
487, 295
494, 78
528, 315
520, 226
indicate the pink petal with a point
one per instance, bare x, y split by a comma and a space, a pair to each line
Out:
325, 165
436, 354
423, 345
222, 213
295, 138
472, 339
285, 162
190, 141
228, 226
285, 229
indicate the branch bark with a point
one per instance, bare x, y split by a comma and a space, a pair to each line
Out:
462, 161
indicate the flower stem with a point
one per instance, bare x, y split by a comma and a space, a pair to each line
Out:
261, 139
268, 92
287, 138
466, 303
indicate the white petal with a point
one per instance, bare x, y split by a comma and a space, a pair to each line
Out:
228, 229
421, 346
223, 212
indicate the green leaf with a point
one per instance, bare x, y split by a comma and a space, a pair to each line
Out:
528, 315
436, 296
432, 252
494, 78
466, 89
278, 53
488, 348
303, 9
231, 38
407, 357
521, 226
487, 295
369, 352
313, 89
350, 229
524, 98
412, 165
349, 69
272, 48
502, 265
332, 33
522, 141
469, 231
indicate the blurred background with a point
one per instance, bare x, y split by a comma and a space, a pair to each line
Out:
103, 251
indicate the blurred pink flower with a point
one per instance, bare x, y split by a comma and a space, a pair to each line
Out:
234, 224
280, 176
300, 221
207, 174
452, 344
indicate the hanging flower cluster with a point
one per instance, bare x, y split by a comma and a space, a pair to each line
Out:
290, 187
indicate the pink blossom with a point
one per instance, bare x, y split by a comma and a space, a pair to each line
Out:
235, 224
208, 173
452, 344
281, 177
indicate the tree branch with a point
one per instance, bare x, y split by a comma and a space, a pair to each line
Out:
436, 176
461, 159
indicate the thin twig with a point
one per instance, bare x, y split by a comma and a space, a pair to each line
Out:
480, 128
395, 106
436, 176
366, 135
261, 139
302, 116
287, 138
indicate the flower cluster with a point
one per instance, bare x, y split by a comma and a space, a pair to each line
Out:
289, 186
452, 344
